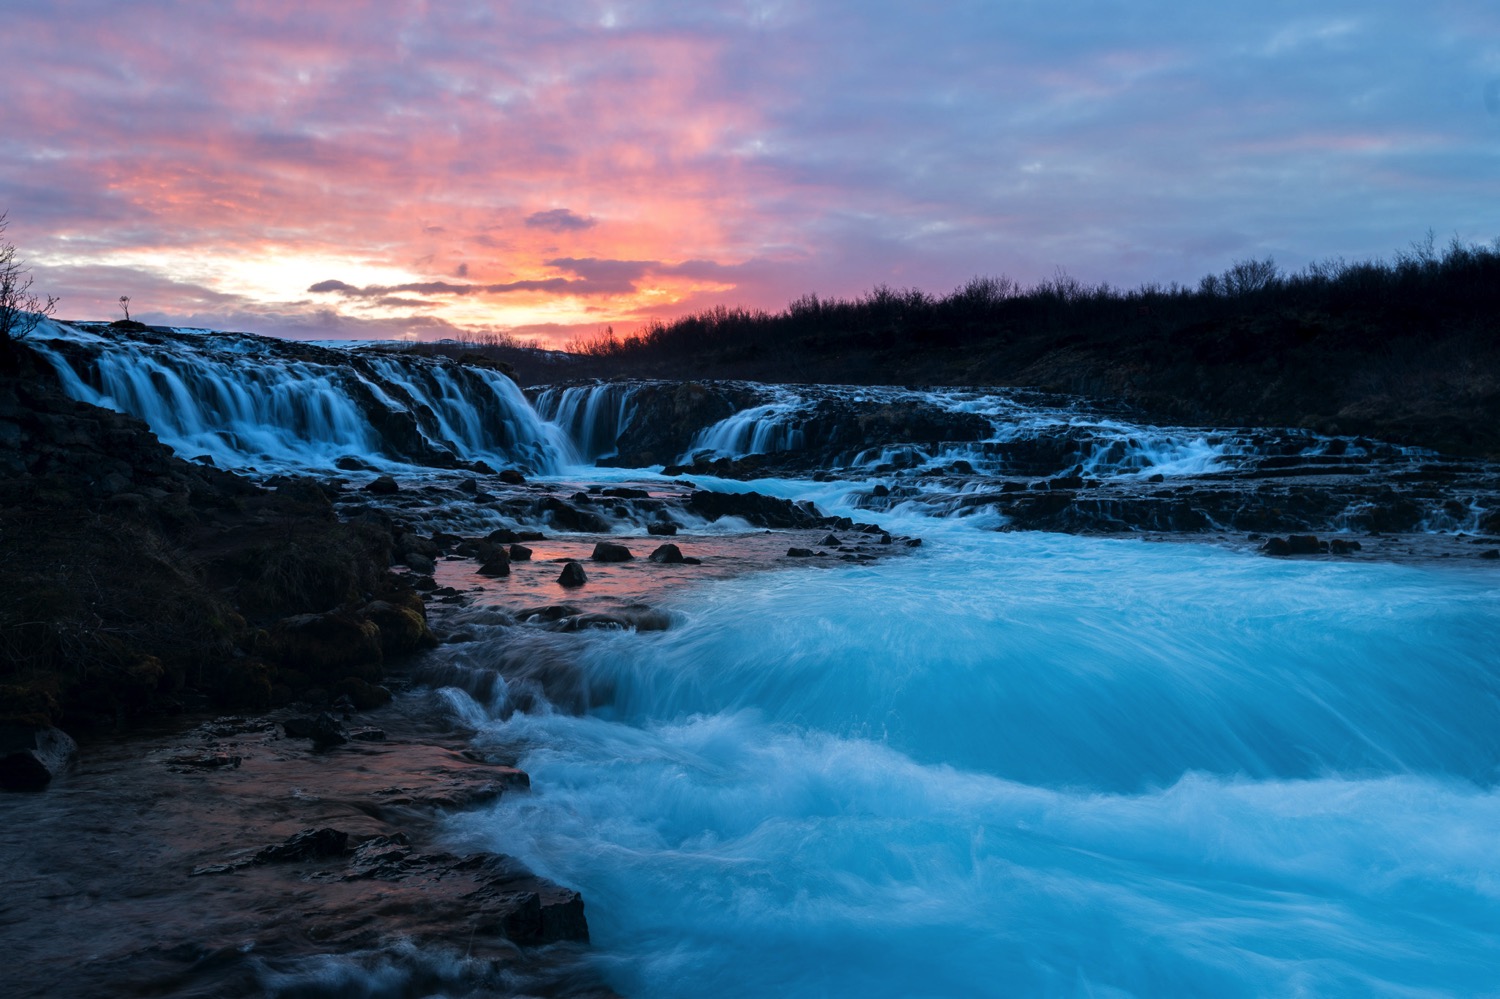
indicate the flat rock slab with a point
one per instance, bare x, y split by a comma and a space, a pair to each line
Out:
155, 869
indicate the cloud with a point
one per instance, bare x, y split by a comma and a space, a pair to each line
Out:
743, 155
559, 220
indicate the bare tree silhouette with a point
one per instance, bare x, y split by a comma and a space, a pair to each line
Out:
20, 309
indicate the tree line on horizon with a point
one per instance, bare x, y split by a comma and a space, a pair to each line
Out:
1424, 285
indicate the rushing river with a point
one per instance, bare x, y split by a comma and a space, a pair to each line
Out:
1033, 765
1000, 764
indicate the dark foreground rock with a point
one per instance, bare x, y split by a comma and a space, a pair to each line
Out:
31, 757
277, 876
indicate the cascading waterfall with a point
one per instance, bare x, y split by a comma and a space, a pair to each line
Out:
252, 401
477, 412
593, 416
767, 429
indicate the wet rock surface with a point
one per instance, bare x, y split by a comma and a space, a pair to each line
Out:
234, 881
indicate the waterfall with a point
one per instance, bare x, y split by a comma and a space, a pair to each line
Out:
766, 429
593, 416
253, 401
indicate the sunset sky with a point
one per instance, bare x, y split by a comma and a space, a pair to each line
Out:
382, 169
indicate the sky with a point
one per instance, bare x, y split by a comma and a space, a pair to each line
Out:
417, 168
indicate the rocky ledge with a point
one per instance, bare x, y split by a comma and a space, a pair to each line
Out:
242, 861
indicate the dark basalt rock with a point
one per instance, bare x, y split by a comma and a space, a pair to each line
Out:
363, 695
383, 486
329, 646
309, 844
572, 575
519, 553
403, 625
630, 619
1296, 544
511, 477
667, 554
550, 612
496, 563
608, 551
327, 732
422, 565
755, 508
662, 530
567, 517
30, 757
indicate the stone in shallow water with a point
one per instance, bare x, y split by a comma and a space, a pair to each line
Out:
668, 554
572, 575
608, 551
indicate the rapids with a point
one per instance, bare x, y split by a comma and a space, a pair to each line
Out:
1032, 765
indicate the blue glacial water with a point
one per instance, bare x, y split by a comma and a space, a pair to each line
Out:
1033, 765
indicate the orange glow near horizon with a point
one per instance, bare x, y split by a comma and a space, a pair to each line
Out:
546, 170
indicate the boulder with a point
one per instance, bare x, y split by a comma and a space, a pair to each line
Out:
662, 530
402, 628
569, 518
363, 695
329, 646
572, 575
511, 477
608, 551
496, 563
520, 553
31, 756
757, 509
383, 486
327, 732
667, 554
1305, 544
1295, 544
